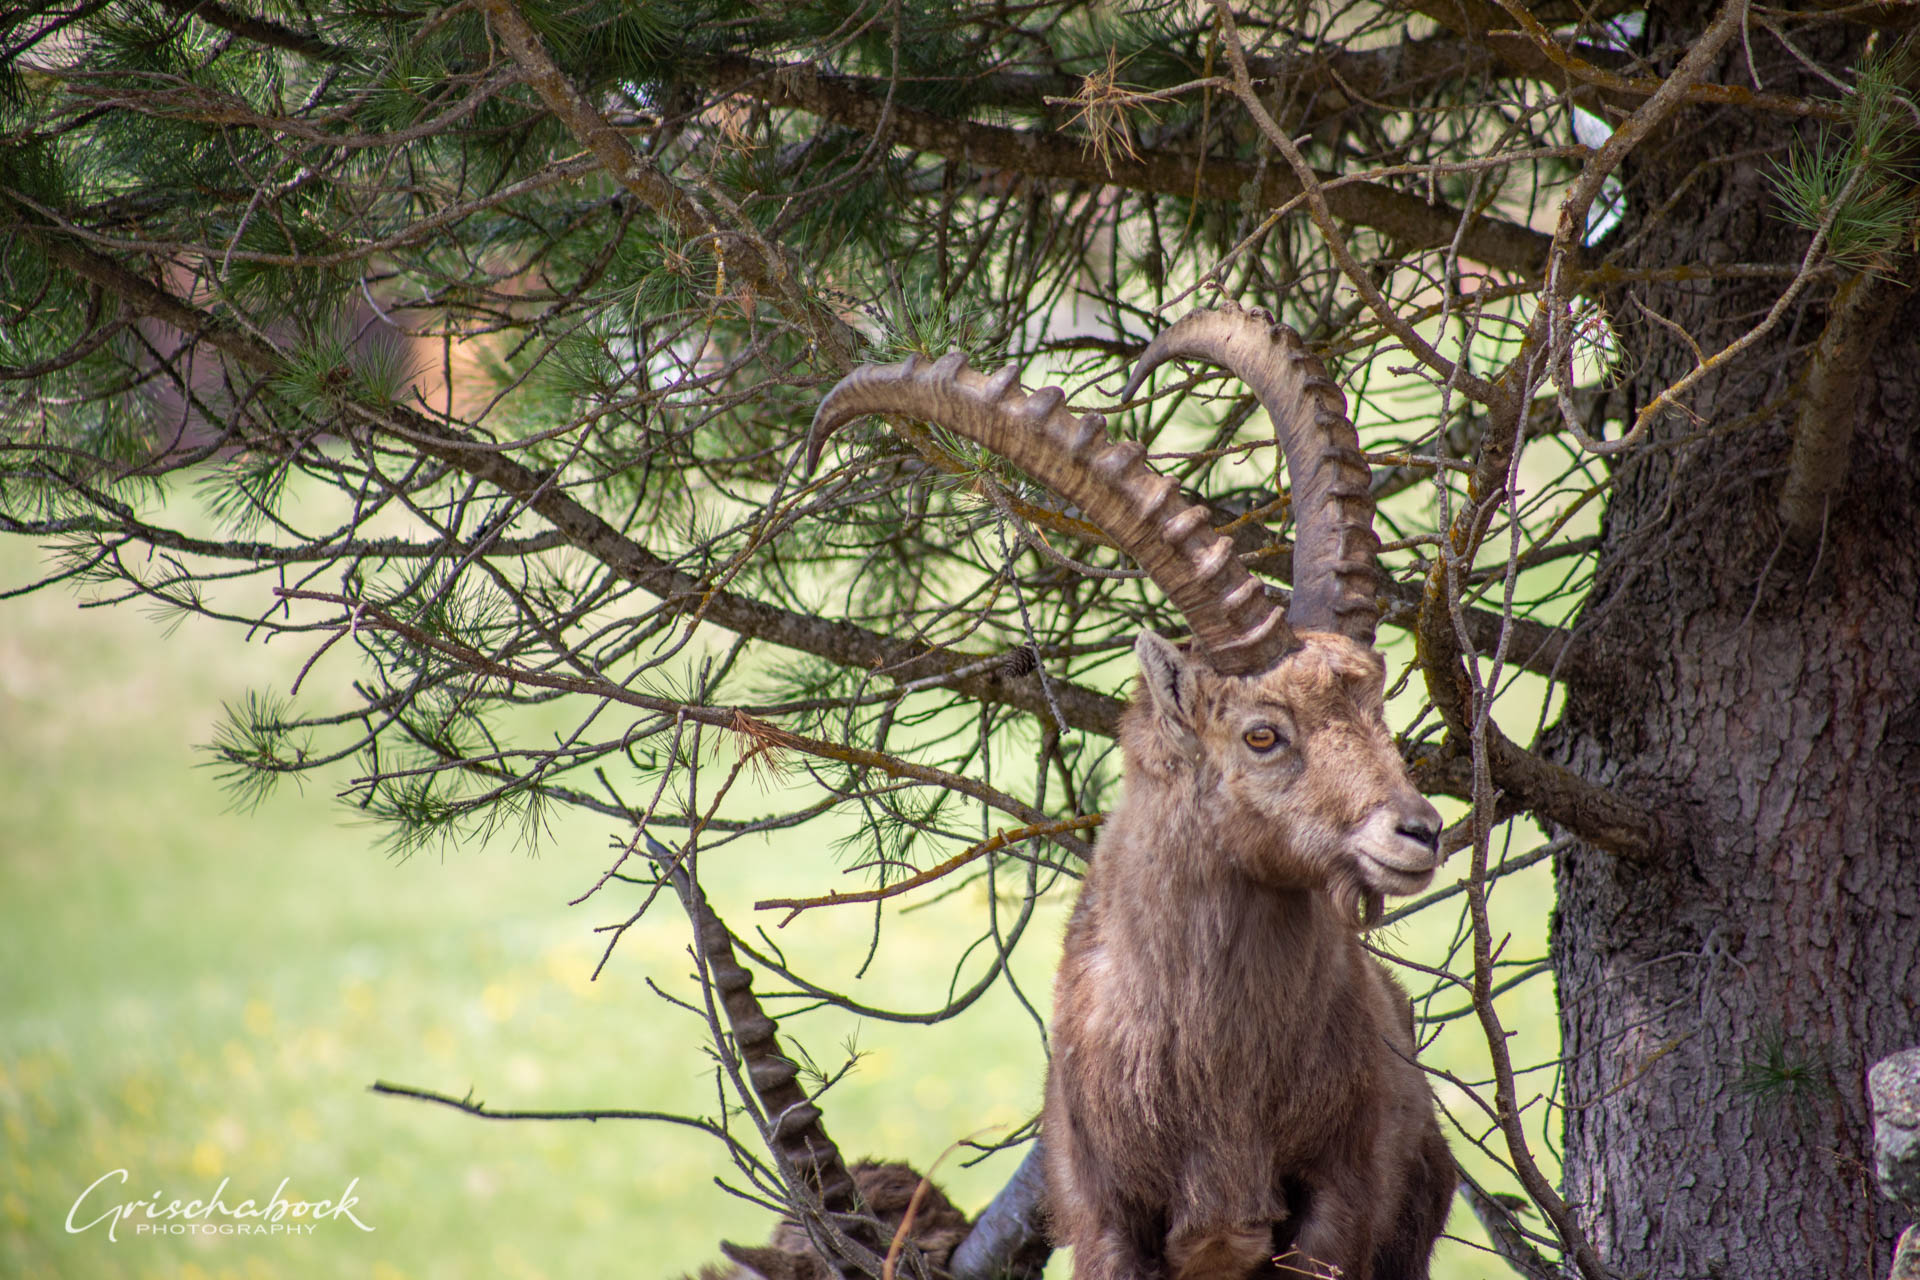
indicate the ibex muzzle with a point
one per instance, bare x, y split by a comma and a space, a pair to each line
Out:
1233, 1077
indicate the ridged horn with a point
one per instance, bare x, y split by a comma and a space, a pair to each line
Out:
1334, 578
1236, 627
793, 1122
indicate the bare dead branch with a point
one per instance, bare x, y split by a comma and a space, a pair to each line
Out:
1539, 786
1322, 213
1570, 229
474, 1107
1000, 840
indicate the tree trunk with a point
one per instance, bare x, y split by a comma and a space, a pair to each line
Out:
1720, 1011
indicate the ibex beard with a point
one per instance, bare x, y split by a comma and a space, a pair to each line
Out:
1233, 1077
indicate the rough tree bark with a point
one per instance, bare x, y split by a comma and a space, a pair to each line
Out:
1721, 1011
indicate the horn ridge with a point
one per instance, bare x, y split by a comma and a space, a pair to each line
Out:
1183, 523
1238, 598
1335, 580
1216, 557
1043, 403
1110, 481
1089, 433
1118, 457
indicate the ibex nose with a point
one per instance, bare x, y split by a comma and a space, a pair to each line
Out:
1420, 822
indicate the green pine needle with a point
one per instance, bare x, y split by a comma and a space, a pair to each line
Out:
1860, 179
253, 748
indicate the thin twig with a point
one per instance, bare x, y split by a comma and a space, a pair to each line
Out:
993, 844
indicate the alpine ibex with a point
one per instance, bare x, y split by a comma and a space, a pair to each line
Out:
1233, 1076
857, 1210
889, 1191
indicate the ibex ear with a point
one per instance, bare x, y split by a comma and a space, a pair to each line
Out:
1168, 676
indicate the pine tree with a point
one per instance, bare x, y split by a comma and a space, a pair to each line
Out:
474, 347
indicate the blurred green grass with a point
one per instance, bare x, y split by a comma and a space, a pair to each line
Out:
193, 994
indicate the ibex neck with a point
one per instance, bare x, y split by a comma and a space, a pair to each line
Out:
1179, 899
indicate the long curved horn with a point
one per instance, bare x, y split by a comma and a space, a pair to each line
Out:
1238, 630
1334, 578
793, 1121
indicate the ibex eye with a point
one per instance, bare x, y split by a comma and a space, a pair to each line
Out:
1263, 738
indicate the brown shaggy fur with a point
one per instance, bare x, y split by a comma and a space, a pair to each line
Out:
1233, 1076
888, 1189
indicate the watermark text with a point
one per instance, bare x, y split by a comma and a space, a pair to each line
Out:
214, 1215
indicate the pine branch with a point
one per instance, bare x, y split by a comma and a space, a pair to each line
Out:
763, 266
262, 31
1534, 53
1534, 646
1822, 430
365, 614
839, 642
1325, 80
126, 524
1411, 221
1559, 795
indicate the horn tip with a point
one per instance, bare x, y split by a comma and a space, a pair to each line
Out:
1149, 361
834, 413
816, 443
827, 419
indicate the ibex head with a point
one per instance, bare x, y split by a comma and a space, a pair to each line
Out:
1279, 712
1299, 783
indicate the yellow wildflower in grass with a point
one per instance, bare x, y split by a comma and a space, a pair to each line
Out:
259, 1017
240, 1063
440, 1041
138, 1095
500, 1001
357, 995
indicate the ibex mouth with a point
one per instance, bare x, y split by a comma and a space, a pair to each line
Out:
1398, 857
1397, 877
